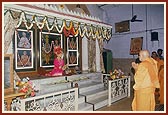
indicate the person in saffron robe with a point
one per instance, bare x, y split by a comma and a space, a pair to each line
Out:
161, 80
59, 66
146, 81
159, 92
160, 52
155, 56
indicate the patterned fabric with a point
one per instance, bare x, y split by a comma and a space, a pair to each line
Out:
9, 29
100, 41
91, 54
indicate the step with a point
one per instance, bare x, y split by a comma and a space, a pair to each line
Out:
85, 107
90, 87
81, 99
95, 93
82, 82
51, 87
103, 101
99, 102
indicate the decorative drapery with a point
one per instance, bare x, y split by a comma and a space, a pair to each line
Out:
74, 28
101, 44
9, 27
10, 23
91, 54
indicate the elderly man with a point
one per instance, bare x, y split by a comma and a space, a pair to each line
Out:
146, 81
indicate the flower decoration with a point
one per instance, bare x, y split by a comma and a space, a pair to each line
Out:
82, 28
26, 86
116, 74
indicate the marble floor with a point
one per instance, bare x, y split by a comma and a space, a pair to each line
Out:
121, 105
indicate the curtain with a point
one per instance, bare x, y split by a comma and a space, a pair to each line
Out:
9, 30
91, 54
101, 44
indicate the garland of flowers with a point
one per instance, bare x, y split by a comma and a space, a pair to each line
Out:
87, 30
70, 25
67, 33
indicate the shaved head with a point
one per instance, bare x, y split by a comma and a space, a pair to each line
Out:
143, 54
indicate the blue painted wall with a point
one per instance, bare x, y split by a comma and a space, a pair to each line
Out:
153, 21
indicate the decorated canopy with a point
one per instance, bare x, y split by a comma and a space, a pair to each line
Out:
64, 21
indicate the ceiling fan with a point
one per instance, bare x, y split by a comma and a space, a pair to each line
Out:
134, 17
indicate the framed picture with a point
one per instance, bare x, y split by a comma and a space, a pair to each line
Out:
136, 45
24, 58
123, 26
72, 50
47, 43
72, 58
23, 39
72, 43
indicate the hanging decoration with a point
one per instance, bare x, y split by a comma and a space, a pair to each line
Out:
81, 29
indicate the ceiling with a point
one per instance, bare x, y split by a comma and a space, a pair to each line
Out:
105, 5
83, 6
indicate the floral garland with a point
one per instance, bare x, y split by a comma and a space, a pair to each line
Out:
87, 30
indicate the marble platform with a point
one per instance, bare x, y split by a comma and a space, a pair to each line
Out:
92, 93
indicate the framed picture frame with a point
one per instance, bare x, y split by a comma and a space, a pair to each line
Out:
8, 73
24, 59
123, 26
72, 43
72, 50
24, 56
47, 43
136, 45
72, 58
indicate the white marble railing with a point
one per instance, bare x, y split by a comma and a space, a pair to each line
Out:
66, 100
117, 88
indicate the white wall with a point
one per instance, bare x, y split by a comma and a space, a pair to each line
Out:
120, 42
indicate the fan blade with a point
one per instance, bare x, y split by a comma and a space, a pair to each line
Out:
138, 20
133, 18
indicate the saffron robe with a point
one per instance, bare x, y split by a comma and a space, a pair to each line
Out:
146, 80
161, 80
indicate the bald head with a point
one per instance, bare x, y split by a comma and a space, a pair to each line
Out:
143, 55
